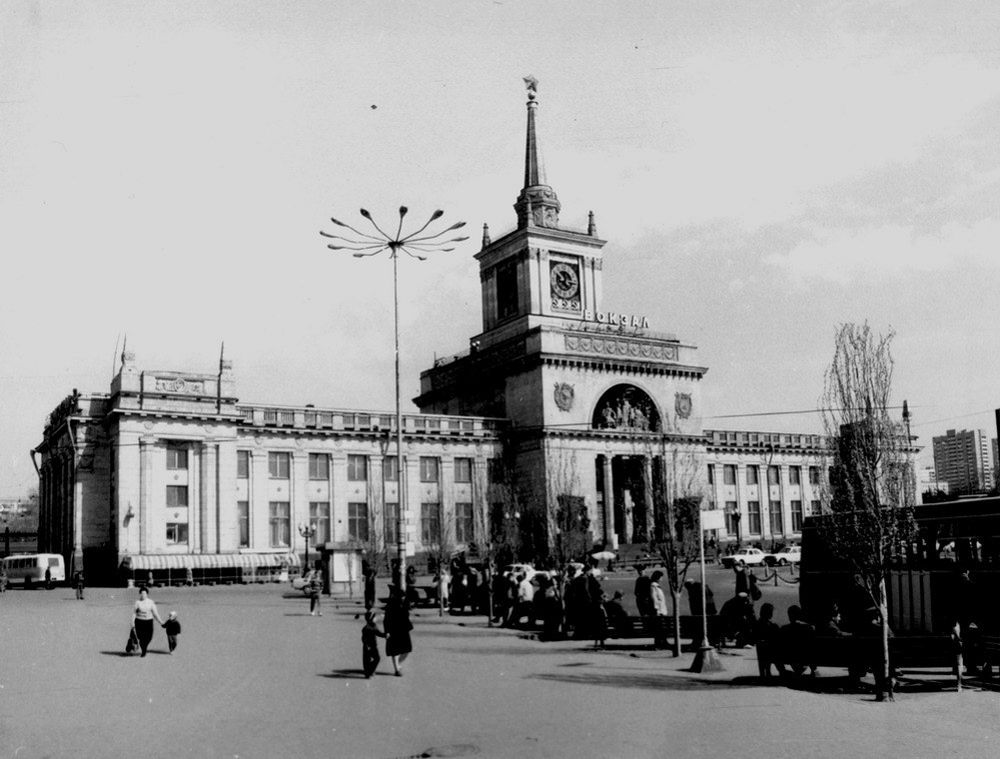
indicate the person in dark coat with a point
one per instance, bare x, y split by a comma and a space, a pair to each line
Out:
737, 620
617, 616
78, 584
643, 599
369, 643
694, 599
368, 573
397, 624
796, 644
765, 633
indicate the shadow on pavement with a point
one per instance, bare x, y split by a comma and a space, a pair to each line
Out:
646, 681
349, 674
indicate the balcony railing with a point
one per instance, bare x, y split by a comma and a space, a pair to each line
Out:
309, 418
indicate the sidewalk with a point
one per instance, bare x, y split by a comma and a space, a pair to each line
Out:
256, 676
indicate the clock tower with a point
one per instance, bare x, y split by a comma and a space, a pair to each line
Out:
541, 271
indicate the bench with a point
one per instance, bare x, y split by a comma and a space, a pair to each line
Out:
651, 627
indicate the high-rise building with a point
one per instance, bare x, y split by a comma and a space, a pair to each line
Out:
963, 459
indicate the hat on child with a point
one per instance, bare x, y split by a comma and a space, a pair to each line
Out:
172, 615
369, 616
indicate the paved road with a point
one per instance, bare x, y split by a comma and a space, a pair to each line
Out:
256, 676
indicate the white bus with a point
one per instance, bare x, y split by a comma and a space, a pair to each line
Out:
29, 568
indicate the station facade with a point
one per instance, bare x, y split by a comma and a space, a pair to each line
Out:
559, 400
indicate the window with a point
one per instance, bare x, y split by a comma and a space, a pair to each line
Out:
319, 515
732, 518
430, 523
796, 516
319, 466
177, 532
177, 457
814, 475
773, 475
428, 469
711, 474
777, 526
814, 508
729, 474
357, 521
794, 475
177, 496
243, 520
753, 475
391, 524
463, 523
243, 465
279, 514
463, 470
390, 470
278, 465
753, 516
357, 468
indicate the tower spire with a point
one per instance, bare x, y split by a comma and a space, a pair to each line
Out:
537, 199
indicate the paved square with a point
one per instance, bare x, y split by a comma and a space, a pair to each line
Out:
255, 676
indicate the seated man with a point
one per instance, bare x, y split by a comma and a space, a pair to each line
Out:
795, 644
737, 620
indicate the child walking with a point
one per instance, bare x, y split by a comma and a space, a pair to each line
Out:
173, 628
369, 643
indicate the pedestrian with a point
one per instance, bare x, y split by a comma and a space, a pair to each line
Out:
956, 650
369, 573
796, 644
658, 610
189, 577
617, 616
737, 620
412, 597
315, 594
172, 627
48, 578
369, 643
599, 622
78, 584
397, 624
144, 613
765, 635
3, 578
525, 601
642, 592
501, 597
742, 578
694, 599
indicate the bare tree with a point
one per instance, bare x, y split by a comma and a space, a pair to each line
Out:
496, 514
677, 492
872, 487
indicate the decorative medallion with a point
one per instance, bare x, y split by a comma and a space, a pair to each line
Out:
564, 394
682, 405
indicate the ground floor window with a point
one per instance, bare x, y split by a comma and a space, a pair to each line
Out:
796, 516
753, 517
430, 523
319, 515
177, 532
732, 518
464, 528
357, 521
243, 518
814, 508
777, 524
391, 524
280, 515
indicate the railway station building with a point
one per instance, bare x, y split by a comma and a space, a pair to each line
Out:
562, 402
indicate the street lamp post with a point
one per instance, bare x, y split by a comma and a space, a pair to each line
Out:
307, 531
416, 245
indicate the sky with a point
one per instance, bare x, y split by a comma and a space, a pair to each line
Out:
763, 172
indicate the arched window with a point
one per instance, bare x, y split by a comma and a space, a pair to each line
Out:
626, 407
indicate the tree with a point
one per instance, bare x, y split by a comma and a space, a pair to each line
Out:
496, 513
677, 493
869, 507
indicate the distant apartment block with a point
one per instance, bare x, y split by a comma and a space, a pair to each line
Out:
964, 459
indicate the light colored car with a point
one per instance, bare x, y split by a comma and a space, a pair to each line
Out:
302, 583
787, 555
749, 557
516, 570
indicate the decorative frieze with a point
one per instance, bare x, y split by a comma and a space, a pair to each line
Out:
619, 346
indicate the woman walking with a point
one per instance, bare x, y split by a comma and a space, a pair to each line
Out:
397, 627
145, 613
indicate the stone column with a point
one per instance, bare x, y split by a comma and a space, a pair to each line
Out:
610, 537
647, 463
145, 474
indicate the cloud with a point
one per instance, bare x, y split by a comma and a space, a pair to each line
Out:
841, 255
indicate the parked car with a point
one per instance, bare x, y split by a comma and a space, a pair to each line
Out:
302, 583
745, 557
515, 570
787, 555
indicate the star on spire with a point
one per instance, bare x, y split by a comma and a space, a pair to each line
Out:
532, 86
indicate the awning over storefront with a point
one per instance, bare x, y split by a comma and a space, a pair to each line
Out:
213, 561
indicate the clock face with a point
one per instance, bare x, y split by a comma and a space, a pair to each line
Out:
565, 281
